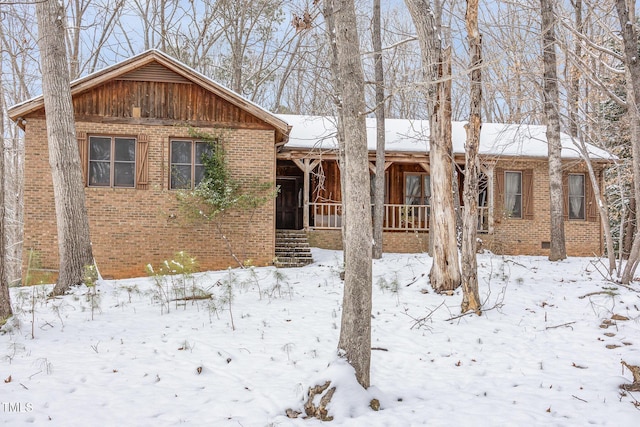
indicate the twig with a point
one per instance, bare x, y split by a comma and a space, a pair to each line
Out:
379, 348
468, 313
192, 298
559, 326
516, 263
576, 397
415, 279
627, 287
419, 322
25, 387
595, 293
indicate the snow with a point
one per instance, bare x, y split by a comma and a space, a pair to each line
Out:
510, 140
536, 357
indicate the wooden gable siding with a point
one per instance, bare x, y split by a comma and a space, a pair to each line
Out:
154, 72
164, 101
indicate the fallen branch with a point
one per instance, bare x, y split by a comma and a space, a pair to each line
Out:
627, 287
193, 298
468, 313
559, 326
610, 292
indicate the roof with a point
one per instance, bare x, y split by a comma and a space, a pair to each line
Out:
147, 57
412, 136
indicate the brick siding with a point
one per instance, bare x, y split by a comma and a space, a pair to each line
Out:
131, 228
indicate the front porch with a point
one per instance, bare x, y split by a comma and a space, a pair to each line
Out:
310, 196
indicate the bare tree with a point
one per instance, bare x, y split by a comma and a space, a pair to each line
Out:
630, 43
551, 100
378, 187
355, 328
91, 23
470, 296
20, 78
445, 271
74, 244
5, 300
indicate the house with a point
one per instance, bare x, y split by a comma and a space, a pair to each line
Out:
134, 122
513, 202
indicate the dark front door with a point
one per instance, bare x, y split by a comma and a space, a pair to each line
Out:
288, 209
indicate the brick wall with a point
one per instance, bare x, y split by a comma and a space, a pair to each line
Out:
131, 228
526, 237
393, 242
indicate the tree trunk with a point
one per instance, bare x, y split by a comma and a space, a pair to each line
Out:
355, 328
551, 101
74, 245
445, 270
470, 294
629, 228
5, 301
573, 94
330, 31
630, 41
378, 192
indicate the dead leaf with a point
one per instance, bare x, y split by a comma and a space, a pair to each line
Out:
619, 317
8, 379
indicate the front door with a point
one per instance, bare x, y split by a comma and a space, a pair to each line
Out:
288, 204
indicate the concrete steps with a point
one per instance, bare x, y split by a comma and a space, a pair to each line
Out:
292, 249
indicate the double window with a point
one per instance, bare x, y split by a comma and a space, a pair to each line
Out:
187, 169
576, 195
112, 161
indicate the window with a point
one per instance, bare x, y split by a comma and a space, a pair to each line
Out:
112, 161
372, 183
187, 169
576, 196
417, 189
513, 194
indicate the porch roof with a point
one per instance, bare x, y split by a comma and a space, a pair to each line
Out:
412, 136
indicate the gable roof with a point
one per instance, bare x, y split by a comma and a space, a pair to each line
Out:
412, 136
160, 67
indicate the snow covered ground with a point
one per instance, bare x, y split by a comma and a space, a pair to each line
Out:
538, 356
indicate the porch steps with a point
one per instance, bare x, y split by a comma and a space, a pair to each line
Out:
292, 249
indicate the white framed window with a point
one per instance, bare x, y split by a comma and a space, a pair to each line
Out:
513, 194
576, 196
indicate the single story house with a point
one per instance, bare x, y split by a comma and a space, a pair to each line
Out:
513, 201
134, 122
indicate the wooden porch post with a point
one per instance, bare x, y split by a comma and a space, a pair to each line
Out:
307, 166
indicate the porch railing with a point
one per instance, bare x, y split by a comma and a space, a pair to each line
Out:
396, 217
